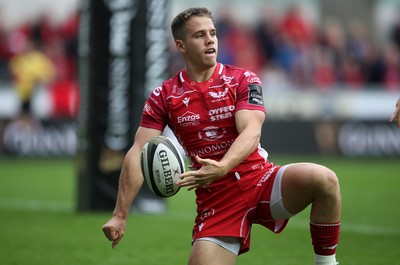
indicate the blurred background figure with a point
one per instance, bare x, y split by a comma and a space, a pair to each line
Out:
30, 68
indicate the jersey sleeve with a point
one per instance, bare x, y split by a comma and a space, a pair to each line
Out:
249, 93
154, 114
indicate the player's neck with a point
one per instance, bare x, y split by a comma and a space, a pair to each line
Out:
200, 75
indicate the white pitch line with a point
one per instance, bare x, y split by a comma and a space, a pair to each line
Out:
35, 205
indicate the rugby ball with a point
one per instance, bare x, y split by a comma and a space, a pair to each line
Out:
161, 164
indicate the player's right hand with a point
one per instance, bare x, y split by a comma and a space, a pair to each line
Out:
114, 230
209, 171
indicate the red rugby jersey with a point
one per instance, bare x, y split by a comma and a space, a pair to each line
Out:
201, 115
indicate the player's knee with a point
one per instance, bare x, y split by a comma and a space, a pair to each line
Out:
329, 182
328, 198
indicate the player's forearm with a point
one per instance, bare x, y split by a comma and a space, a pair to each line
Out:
130, 183
242, 147
249, 125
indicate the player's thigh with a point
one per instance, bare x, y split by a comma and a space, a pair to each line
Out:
301, 182
210, 253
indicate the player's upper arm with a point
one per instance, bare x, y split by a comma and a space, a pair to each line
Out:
249, 119
143, 134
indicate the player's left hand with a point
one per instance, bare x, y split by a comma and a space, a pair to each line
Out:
209, 171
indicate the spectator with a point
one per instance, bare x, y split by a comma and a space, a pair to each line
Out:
30, 68
394, 34
267, 32
243, 41
324, 70
5, 55
392, 67
226, 24
298, 30
374, 68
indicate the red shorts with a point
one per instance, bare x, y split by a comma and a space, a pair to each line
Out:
232, 208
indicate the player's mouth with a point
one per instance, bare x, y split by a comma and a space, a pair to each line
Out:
210, 51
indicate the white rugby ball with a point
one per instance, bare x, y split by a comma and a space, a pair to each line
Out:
161, 164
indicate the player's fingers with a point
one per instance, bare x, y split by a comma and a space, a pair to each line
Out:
184, 175
199, 160
197, 179
116, 241
192, 187
204, 161
186, 182
189, 174
106, 231
110, 232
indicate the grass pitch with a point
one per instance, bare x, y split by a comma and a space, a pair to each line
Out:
38, 223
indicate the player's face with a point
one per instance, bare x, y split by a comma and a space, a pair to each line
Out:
201, 44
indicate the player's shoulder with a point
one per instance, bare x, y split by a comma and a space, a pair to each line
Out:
167, 86
241, 73
232, 69
173, 82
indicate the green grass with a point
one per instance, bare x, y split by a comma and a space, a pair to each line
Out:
38, 224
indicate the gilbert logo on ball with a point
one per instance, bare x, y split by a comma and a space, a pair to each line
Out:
161, 165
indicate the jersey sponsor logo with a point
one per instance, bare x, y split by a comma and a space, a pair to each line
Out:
188, 119
219, 95
249, 73
252, 77
255, 95
257, 167
201, 227
186, 101
177, 91
154, 99
214, 149
157, 91
221, 113
147, 108
266, 176
207, 213
211, 133
227, 79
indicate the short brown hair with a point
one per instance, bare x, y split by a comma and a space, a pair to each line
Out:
178, 24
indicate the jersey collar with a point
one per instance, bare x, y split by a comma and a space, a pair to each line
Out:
218, 71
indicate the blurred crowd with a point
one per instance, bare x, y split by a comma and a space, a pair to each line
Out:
287, 50
42, 55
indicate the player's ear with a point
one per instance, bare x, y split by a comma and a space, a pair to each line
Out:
180, 46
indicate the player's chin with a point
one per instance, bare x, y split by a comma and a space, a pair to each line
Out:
210, 62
